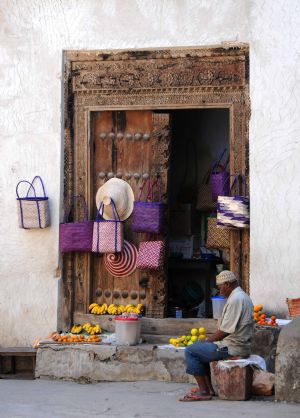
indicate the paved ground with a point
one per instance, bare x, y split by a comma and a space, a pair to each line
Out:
57, 399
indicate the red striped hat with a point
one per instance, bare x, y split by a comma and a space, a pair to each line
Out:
124, 263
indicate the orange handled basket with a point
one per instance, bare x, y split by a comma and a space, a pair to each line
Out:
293, 307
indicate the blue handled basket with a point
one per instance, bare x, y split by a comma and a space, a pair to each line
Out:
33, 211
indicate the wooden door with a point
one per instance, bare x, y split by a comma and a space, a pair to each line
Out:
131, 145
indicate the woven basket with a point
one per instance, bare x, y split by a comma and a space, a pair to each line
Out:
33, 211
78, 235
108, 235
293, 307
217, 237
148, 216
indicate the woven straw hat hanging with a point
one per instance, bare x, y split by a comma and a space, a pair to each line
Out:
121, 193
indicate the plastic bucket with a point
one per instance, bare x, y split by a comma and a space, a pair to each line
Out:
128, 330
218, 303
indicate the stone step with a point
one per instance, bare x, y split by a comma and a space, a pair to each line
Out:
156, 338
91, 363
148, 361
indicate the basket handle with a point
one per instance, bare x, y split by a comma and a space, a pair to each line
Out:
100, 211
31, 186
237, 178
218, 161
214, 167
142, 188
68, 208
158, 184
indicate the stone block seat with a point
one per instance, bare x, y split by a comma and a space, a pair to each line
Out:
231, 383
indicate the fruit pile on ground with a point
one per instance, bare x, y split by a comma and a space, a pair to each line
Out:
261, 318
185, 340
76, 329
69, 339
91, 329
113, 309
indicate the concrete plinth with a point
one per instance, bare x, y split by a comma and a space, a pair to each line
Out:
287, 367
91, 363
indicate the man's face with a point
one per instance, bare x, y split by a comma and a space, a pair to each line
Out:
225, 289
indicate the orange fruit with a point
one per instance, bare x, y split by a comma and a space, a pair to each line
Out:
263, 316
258, 308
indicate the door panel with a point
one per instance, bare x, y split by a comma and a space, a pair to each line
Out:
131, 158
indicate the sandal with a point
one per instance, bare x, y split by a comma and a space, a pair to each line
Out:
196, 391
194, 398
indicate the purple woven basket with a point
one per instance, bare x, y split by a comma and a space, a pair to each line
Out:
220, 185
76, 236
148, 217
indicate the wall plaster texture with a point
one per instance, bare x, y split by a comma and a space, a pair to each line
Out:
33, 35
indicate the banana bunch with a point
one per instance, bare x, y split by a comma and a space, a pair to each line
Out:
113, 309
96, 309
92, 329
76, 329
138, 309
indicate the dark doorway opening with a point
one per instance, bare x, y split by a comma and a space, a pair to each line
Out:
199, 138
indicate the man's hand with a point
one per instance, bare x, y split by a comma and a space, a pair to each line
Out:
217, 336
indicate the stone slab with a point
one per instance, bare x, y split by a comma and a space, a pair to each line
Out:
287, 367
90, 363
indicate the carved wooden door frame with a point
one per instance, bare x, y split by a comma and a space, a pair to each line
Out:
174, 78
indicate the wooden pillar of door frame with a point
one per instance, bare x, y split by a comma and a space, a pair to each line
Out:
91, 92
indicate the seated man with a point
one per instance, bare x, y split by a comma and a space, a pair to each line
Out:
233, 337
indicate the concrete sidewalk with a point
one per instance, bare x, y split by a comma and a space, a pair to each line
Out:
59, 399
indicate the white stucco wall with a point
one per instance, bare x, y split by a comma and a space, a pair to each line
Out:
33, 35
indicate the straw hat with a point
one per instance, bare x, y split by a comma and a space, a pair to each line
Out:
121, 193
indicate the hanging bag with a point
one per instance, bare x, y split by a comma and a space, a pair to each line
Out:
217, 237
234, 211
220, 179
108, 235
151, 255
33, 211
76, 236
204, 197
207, 191
148, 216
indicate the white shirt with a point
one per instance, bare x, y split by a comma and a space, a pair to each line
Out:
237, 321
